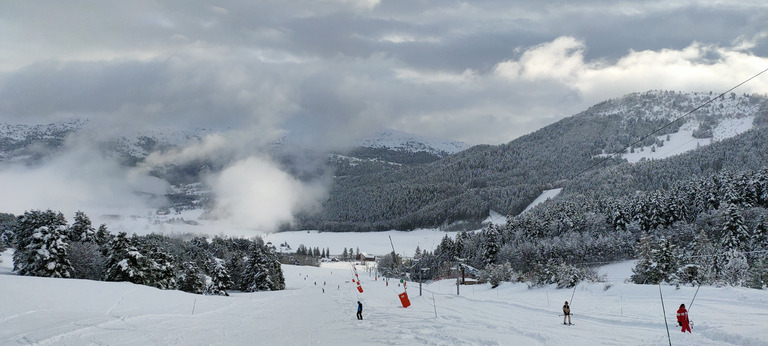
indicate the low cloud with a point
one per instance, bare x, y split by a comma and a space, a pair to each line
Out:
79, 178
254, 193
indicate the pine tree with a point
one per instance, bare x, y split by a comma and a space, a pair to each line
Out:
759, 236
491, 244
46, 254
256, 275
163, 269
220, 278
126, 263
103, 237
644, 271
191, 279
81, 229
735, 235
758, 274
26, 225
666, 261
276, 276
236, 268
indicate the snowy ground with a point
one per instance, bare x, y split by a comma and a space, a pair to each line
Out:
318, 308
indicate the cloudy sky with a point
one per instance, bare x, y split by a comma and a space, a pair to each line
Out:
328, 70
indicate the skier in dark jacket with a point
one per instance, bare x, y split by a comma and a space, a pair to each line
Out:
682, 319
566, 313
359, 310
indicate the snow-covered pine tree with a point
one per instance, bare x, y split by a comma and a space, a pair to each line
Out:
758, 273
666, 261
26, 225
126, 263
46, 254
163, 270
445, 250
103, 237
460, 244
236, 268
276, 277
644, 270
491, 244
759, 236
81, 229
220, 278
735, 234
191, 279
256, 274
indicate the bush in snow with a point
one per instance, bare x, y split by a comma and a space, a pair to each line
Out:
689, 275
495, 274
87, 260
562, 274
736, 270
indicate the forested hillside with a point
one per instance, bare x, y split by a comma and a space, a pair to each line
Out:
696, 218
506, 178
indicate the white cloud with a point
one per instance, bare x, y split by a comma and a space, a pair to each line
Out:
255, 193
79, 178
696, 67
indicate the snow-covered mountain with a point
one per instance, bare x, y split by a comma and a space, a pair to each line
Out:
403, 141
715, 119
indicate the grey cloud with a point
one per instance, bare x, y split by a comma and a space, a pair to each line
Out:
328, 71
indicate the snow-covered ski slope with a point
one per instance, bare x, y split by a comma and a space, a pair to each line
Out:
46, 311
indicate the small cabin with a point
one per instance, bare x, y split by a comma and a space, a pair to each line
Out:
366, 257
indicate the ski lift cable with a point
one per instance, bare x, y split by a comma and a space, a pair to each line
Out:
693, 256
668, 124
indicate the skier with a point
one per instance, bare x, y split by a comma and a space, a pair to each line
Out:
682, 319
359, 310
566, 313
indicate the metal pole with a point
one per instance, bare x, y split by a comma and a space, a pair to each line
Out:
694, 298
664, 310
434, 303
574, 292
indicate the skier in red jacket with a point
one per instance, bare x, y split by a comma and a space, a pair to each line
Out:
682, 318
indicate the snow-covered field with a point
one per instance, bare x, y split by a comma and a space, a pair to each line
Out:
318, 308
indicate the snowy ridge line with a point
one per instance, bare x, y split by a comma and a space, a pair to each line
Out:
668, 124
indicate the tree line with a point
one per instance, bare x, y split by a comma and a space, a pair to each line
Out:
706, 230
46, 245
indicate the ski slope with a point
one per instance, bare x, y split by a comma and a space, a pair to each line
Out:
318, 308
